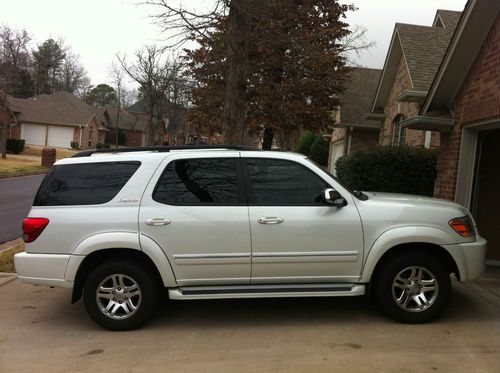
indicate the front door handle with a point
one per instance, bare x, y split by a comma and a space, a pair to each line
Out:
270, 220
157, 221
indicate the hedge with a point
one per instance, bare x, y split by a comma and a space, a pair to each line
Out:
314, 146
15, 146
389, 169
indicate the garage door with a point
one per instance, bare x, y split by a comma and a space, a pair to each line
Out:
60, 136
33, 134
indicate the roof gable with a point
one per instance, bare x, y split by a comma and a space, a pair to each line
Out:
356, 100
423, 48
478, 18
61, 108
447, 19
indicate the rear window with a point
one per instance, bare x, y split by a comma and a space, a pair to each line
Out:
84, 184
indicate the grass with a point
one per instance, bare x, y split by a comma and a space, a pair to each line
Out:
37, 151
7, 258
16, 164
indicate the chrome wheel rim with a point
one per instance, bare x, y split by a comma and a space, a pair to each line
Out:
118, 296
415, 289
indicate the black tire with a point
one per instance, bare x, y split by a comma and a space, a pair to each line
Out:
125, 317
388, 290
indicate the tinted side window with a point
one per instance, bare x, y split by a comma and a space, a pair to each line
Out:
199, 181
84, 184
282, 182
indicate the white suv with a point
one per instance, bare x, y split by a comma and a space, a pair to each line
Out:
213, 222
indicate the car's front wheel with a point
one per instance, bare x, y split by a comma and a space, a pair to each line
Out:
413, 288
120, 295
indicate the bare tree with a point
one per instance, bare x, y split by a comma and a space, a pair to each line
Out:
117, 75
149, 70
189, 25
72, 76
354, 43
15, 62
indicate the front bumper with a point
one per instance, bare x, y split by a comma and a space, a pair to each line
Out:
473, 254
43, 269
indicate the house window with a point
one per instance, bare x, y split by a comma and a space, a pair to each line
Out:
91, 136
399, 131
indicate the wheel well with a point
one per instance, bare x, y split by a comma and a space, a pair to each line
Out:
96, 258
434, 250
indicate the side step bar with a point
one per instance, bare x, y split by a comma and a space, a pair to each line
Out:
266, 291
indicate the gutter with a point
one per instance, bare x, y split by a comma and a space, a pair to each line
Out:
421, 122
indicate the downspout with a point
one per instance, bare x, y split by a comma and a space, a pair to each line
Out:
349, 137
80, 142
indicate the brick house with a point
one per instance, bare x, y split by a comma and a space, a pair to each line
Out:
352, 130
414, 56
131, 127
170, 129
55, 120
463, 105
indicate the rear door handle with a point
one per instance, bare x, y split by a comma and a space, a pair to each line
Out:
157, 221
270, 220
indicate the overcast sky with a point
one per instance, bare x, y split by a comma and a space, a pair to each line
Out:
98, 29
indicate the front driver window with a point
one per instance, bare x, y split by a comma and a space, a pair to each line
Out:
282, 182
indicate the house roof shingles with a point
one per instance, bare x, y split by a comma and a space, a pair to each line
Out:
449, 18
61, 108
423, 48
127, 120
357, 98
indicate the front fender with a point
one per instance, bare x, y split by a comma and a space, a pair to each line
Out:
406, 235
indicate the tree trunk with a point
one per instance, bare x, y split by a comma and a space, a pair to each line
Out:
3, 139
238, 43
267, 141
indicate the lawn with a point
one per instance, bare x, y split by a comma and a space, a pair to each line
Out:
15, 164
7, 258
37, 151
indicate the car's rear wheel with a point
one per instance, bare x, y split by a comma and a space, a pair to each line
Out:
413, 288
120, 295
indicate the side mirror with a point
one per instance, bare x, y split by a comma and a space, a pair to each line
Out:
333, 198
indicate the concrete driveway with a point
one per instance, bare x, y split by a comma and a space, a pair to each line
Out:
42, 332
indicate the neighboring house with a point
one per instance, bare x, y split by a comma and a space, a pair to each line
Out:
170, 129
463, 105
132, 128
414, 56
352, 130
55, 120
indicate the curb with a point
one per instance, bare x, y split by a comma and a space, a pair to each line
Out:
6, 277
18, 174
6, 246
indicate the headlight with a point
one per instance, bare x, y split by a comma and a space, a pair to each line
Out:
463, 226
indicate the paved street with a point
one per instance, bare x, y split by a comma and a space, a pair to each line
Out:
16, 198
46, 333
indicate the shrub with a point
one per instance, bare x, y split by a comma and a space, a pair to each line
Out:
304, 143
15, 146
75, 145
100, 145
319, 150
389, 169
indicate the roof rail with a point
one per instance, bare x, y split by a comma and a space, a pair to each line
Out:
159, 149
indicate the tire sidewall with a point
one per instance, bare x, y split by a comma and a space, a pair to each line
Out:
149, 291
384, 281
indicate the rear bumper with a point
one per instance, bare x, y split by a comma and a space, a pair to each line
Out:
473, 254
43, 269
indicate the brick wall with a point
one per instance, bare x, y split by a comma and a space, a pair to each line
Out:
393, 108
477, 100
363, 139
97, 135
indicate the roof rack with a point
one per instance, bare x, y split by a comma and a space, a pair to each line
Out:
159, 149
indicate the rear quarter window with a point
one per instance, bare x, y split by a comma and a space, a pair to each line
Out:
84, 183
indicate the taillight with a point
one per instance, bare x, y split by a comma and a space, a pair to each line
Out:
463, 226
33, 227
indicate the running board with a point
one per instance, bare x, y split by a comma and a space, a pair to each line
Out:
266, 291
